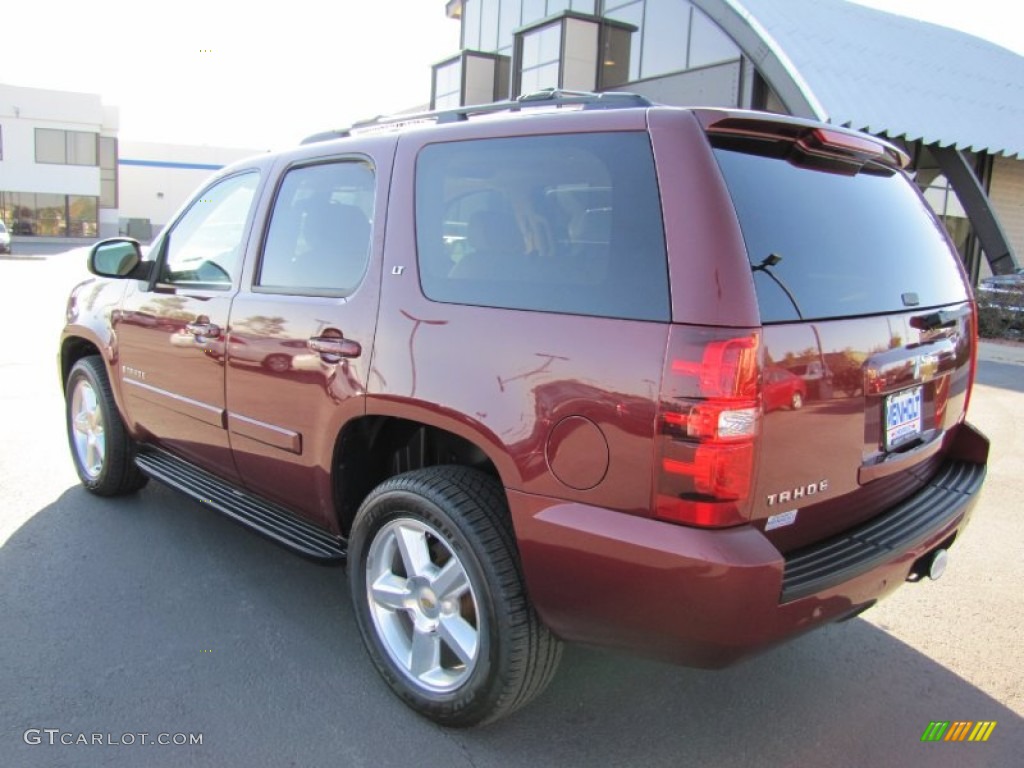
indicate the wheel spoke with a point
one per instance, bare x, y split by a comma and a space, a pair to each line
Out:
412, 545
451, 583
81, 422
425, 655
91, 454
391, 592
460, 636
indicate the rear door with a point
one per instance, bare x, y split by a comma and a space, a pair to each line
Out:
867, 315
302, 326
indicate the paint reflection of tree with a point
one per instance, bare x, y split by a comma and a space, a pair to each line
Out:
261, 325
171, 307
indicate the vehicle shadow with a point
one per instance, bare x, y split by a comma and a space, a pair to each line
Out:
152, 614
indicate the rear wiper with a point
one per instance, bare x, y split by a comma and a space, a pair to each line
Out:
765, 266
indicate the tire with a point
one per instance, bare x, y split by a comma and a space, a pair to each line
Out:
102, 451
458, 641
797, 402
277, 363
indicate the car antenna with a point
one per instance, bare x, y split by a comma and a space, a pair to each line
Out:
765, 266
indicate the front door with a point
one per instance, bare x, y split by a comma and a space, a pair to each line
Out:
301, 332
171, 332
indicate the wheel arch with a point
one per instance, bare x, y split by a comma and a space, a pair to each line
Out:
73, 348
370, 449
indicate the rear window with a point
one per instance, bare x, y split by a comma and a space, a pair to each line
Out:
569, 224
825, 245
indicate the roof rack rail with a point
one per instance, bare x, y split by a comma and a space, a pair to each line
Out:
548, 97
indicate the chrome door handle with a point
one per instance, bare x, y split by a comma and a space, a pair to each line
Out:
207, 330
329, 346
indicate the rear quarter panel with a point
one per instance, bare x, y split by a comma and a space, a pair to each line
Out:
505, 379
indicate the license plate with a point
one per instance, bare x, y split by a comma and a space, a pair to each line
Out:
902, 417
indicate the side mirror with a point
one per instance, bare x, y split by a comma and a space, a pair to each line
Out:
118, 257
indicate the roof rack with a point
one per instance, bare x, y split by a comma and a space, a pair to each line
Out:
548, 97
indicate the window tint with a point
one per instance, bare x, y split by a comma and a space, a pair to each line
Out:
205, 246
318, 241
566, 224
849, 245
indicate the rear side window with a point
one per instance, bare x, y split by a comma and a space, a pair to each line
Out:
568, 224
825, 244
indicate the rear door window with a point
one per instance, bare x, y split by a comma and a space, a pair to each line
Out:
824, 244
564, 223
318, 241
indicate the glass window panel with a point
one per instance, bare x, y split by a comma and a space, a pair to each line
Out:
631, 14
557, 6
448, 101
448, 78
21, 212
204, 247
108, 193
583, 6
50, 146
528, 81
318, 241
613, 5
708, 43
665, 50
471, 24
533, 10
82, 216
489, 25
836, 235
538, 78
508, 20
569, 224
550, 40
531, 49
81, 148
108, 152
51, 215
615, 55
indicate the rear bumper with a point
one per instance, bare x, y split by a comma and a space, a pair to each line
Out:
710, 597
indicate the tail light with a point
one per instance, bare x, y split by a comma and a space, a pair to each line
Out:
709, 418
974, 358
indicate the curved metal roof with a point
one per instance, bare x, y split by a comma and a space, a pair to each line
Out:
882, 73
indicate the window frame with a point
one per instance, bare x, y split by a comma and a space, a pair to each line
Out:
67, 136
257, 269
659, 310
162, 285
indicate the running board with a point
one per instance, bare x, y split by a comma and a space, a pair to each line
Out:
265, 517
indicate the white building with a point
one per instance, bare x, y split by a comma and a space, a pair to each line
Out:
156, 179
58, 163
64, 173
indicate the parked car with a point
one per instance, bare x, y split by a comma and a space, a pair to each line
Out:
1014, 281
5, 239
543, 407
783, 389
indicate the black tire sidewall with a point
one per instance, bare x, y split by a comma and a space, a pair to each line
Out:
479, 693
118, 474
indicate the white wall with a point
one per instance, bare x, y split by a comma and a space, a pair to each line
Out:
154, 191
22, 110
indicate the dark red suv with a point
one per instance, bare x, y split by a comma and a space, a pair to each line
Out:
681, 382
